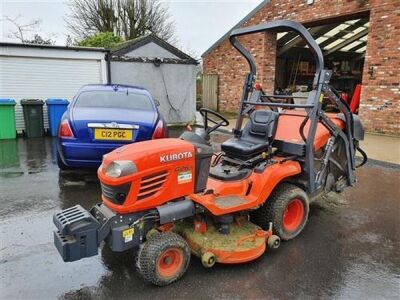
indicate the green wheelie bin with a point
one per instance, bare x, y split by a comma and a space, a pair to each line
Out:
7, 119
33, 117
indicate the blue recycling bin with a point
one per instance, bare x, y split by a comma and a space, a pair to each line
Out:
55, 109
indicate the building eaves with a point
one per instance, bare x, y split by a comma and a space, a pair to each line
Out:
130, 45
73, 48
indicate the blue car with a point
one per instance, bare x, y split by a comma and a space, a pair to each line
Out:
102, 118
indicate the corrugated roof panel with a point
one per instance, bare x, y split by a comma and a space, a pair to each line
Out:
353, 33
350, 46
333, 44
336, 30
361, 50
321, 39
352, 21
280, 35
292, 39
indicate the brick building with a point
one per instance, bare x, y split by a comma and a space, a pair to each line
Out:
371, 54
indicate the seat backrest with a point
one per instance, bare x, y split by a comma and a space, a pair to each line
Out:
263, 123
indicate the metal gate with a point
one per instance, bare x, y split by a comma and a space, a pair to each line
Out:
210, 91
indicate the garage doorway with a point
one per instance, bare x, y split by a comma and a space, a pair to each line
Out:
343, 44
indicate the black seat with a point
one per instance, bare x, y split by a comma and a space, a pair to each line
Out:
256, 136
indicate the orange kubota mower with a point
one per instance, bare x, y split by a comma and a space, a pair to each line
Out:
172, 197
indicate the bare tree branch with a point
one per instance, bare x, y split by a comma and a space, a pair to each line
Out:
126, 18
21, 29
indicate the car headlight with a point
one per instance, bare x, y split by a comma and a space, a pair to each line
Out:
120, 168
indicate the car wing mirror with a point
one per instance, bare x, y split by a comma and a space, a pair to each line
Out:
156, 102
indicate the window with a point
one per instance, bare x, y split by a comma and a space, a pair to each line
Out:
114, 99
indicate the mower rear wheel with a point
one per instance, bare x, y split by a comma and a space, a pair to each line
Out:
287, 208
164, 258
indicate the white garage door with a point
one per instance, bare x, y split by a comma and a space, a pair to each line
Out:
42, 78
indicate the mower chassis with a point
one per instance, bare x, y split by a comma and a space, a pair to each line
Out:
80, 232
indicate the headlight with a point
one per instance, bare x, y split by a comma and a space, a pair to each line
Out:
120, 168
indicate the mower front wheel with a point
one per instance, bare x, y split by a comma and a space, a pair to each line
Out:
287, 208
164, 258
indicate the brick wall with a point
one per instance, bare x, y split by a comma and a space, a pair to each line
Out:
380, 97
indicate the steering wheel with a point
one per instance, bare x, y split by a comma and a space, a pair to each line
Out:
205, 112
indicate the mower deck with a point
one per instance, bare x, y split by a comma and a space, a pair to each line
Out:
245, 242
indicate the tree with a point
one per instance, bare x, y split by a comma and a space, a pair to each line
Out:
128, 19
38, 40
102, 39
21, 29
68, 41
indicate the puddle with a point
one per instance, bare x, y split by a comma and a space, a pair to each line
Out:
348, 249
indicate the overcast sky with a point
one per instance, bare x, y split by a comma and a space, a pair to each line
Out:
199, 23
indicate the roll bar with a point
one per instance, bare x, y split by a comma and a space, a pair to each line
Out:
277, 26
313, 107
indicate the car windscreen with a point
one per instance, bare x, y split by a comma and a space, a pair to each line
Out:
112, 99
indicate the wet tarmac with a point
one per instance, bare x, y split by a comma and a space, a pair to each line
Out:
348, 250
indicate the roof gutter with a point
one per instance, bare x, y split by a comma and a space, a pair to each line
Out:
39, 46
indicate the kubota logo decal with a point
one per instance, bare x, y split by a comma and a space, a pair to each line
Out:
175, 156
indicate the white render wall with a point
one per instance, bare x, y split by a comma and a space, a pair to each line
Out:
173, 85
151, 50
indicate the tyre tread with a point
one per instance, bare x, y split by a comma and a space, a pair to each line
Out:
149, 252
274, 206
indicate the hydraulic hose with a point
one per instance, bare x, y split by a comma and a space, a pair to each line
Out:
302, 125
364, 155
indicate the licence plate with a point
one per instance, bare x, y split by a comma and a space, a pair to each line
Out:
113, 134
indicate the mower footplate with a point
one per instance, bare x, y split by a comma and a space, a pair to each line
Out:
245, 242
76, 236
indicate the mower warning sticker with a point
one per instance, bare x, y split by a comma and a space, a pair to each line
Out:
184, 177
321, 98
127, 234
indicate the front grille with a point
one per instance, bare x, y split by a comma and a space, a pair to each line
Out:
117, 193
151, 184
